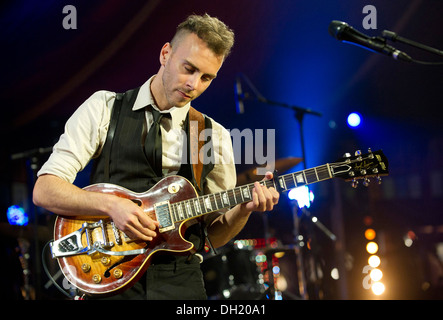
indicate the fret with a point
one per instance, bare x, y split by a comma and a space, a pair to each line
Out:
197, 206
207, 203
304, 174
310, 176
299, 178
232, 200
282, 183
219, 200
189, 209
202, 205
180, 212
232, 197
326, 173
174, 212
215, 202
241, 194
246, 193
316, 175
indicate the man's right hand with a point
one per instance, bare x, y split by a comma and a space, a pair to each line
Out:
132, 220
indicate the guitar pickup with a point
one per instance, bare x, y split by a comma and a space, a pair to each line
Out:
164, 217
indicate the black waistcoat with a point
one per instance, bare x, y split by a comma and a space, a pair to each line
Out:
123, 161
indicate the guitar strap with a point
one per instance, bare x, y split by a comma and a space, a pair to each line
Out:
111, 131
196, 126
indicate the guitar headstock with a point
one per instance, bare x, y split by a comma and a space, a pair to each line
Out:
361, 166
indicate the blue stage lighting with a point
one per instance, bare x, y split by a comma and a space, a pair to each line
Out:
354, 119
17, 216
303, 195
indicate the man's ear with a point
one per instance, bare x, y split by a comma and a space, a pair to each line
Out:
165, 53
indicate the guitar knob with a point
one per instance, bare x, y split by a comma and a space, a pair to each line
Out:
96, 278
347, 155
358, 153
105, 261
118, 273
86, 267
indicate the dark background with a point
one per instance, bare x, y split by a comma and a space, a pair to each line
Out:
284, 48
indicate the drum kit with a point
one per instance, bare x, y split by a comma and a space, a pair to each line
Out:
248, 269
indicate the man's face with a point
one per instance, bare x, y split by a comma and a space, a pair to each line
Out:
189, 69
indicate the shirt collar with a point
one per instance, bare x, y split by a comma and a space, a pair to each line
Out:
145, 98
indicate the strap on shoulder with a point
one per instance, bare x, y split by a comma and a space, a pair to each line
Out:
111, 131
196, 126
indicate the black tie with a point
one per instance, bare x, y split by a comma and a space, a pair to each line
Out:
153, 142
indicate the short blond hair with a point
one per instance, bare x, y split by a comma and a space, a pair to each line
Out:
217, 35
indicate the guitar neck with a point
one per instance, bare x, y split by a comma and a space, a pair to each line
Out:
202, 205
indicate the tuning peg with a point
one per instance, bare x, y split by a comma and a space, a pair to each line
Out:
347, 155
378, 179
366, 182
354, 183
358, 153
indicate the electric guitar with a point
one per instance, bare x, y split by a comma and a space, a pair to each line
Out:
101, 260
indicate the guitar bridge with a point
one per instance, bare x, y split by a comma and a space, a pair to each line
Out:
71, 244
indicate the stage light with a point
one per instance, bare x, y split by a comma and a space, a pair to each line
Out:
302, 195
276, 270
354, 119
374, 261
334, 274
378, 288
376, 275
17, 216
370, 234
372, 247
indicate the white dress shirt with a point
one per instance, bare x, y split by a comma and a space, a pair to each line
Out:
85, 134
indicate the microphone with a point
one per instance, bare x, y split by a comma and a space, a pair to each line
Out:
345, 33
239, 96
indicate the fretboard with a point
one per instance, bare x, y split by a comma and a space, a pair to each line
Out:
198, 206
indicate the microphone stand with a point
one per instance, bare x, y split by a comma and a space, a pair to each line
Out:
396, 38
32, 158
299, 114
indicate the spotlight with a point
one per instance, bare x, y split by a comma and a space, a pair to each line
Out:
374, 261
303, 196
376, 274
370, 234
372, 247
354, 119
378, 288
17, 216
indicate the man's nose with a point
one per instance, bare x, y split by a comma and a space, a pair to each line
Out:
192, 81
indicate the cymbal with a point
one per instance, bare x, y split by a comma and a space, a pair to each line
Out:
281, 165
